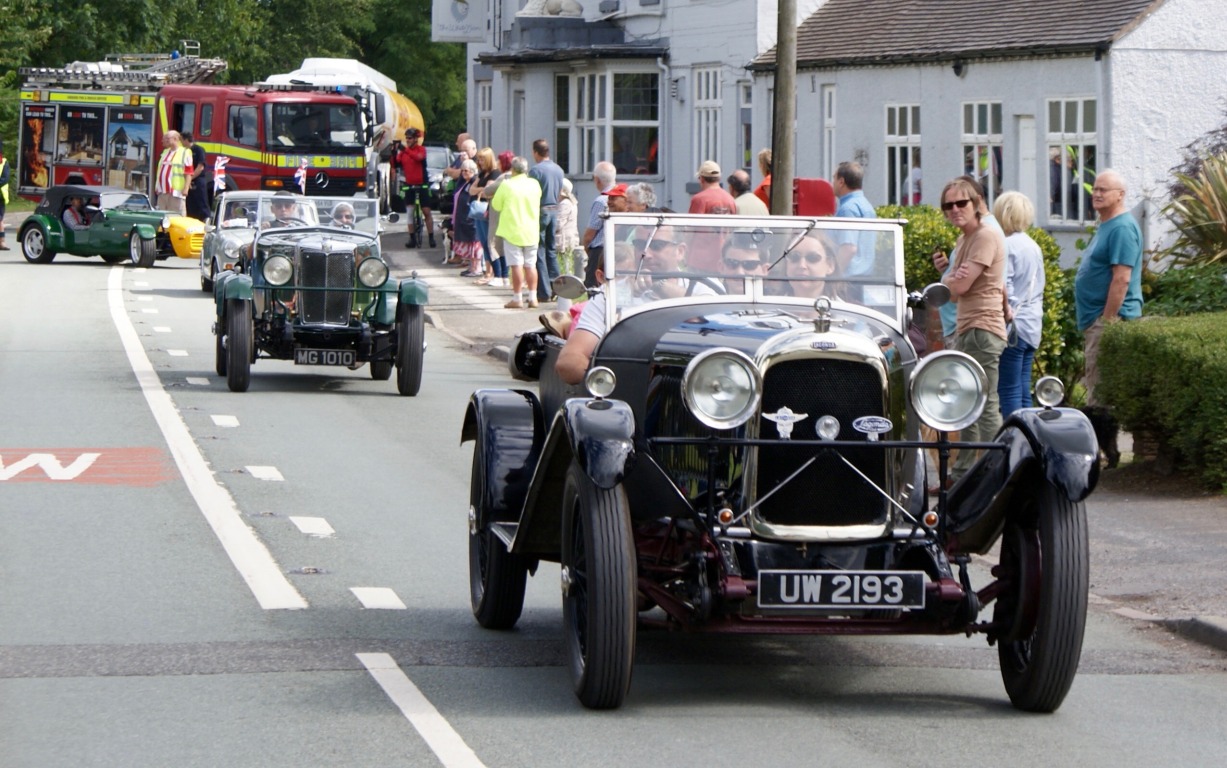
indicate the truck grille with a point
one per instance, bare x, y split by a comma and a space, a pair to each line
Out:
317, 269
828, 492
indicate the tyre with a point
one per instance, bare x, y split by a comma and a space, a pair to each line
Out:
381, 370
206, 283
410, 348
141, 252
598, 577
496, 577
238, 345
1045, 559
219, 349
34, 246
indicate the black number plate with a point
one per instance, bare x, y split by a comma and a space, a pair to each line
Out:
325, 357
841, 589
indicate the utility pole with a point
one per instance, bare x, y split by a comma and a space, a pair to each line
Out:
784, 115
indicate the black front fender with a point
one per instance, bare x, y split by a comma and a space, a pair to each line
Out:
1054, 445
509, 429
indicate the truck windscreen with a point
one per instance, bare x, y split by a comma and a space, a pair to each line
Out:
323, 128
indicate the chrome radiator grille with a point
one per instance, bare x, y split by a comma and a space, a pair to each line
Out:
828, 492
317, 269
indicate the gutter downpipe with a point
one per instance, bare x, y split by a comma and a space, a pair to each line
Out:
665, 125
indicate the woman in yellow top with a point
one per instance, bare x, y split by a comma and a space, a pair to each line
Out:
518, 202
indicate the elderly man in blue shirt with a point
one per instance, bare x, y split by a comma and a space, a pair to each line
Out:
856, 250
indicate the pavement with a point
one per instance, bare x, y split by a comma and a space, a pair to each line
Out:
1157, 545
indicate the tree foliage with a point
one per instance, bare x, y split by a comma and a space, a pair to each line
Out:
256, 37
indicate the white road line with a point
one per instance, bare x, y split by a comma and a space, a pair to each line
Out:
140, 283
177, 352
317, 527
198, 381
378, 598
264, 577
265, 473
149, 310
161, 329
421, 714
144, 298
222, 420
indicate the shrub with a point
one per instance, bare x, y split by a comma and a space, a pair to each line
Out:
1199, 215
1167, 376
1060, 351
1187, 290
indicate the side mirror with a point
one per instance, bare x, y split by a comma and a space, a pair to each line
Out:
936, 295
569, 287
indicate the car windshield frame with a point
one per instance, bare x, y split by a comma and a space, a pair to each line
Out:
366, 212
294, 127
306, 213
686, 263
124, 201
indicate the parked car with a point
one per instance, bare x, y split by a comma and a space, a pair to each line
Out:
238, 215
121, 225
745, 455
312, 292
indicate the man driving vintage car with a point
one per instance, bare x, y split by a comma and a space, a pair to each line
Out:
285, 211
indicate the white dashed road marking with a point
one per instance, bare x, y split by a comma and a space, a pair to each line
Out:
149, 311
177, 352
421, 714
250, 557
265, 473
379, 598
198, 381
225, 421
144, 298
161, 329
313, 526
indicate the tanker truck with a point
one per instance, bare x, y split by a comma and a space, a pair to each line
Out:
387, 113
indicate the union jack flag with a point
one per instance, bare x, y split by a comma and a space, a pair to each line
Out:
219, 173
300, 176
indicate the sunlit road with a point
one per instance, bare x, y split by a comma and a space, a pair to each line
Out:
194, 577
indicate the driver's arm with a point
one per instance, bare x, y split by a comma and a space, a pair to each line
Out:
576, 354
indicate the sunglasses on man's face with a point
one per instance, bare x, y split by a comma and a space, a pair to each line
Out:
955, 204
813, 257
743, 264
659, 245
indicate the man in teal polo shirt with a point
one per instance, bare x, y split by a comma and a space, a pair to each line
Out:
1108, 287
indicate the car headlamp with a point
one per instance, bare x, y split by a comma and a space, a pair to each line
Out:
1049, 391
722, 388
949, 390
278, 270
165, 222
372, 273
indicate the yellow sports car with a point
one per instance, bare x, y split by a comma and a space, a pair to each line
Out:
183, 238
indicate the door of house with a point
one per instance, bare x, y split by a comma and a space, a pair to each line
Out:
1027, 153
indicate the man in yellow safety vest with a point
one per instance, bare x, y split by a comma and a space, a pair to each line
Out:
174, 169
4, 194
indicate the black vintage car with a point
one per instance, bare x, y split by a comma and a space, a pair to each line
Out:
746, 455
317, 294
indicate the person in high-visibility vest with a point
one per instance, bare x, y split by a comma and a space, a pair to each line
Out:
4, 195
174, 170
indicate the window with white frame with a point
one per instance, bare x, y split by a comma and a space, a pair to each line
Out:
745, 149
983, 146
1072, 158
828, 131
616, 117
903, 154
485, 113
707, 107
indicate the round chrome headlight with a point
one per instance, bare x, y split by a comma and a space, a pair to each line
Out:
722, 388
949, 391
372, 273
1049, 391
600, 382
278, 270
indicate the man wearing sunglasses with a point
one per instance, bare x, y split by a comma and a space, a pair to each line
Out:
977, 284
742, 257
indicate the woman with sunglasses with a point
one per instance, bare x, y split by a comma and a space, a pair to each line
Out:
809, 260
977, 284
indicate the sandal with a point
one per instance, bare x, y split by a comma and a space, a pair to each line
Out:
514, 304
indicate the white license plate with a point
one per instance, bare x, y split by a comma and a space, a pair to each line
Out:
884, 590
325, 357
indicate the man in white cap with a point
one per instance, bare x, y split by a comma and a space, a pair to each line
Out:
711, 198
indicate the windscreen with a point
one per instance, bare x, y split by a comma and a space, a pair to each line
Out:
324, 128
357, 213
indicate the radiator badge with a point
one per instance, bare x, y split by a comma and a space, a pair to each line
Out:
872, 426
784, 419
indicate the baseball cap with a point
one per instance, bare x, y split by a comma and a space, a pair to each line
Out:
709, 170
413, 132
618, 190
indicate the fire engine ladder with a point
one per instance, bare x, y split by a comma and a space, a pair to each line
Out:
130, 71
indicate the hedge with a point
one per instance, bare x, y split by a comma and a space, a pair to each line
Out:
1167, 377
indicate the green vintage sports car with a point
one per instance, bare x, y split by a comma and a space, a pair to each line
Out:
122, 225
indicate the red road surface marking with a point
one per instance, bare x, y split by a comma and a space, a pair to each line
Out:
99, 466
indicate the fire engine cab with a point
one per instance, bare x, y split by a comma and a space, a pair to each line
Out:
102, 123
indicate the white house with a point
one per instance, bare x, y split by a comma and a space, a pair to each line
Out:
1031, 95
